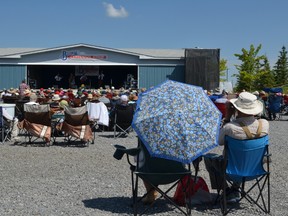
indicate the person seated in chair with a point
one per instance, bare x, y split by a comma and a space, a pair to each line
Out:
275, 100
33, 99
244, 109
60, 112
121, 101
124, 100
150, 190
124, 113
55, 102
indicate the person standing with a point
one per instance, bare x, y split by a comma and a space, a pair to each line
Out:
22, 87
71, 80
100, 79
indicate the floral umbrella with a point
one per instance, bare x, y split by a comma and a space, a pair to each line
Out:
177, 121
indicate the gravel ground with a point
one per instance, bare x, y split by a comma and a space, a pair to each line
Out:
61, 180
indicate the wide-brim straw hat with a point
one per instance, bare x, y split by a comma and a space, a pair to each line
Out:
63, 103
247, 103
27, 92
56, 97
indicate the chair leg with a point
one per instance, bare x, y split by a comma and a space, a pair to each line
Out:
135, 196
93, 141
224, 197
114, 128
265, 207
122, 131
268, 191
167, 198
259, 201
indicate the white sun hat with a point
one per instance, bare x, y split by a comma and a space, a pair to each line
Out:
124, 98
56, 97
247, 103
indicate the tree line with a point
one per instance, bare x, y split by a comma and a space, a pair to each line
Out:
254, 71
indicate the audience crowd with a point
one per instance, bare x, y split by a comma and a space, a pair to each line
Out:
245, 107
69, 97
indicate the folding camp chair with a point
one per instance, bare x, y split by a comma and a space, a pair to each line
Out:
98, 115
2, 128
275, 104
36, 123
76, 125
5, 128
7, 122
123, 120
157, 172
243, 160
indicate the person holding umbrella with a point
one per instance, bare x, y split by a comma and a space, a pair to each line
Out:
244, 109
175, 121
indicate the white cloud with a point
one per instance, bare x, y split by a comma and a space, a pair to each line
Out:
111, 11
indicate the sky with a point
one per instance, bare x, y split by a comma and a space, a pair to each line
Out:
229, 25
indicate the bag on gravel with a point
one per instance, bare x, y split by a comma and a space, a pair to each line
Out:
197, 191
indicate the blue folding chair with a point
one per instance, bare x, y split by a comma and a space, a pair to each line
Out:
244, 162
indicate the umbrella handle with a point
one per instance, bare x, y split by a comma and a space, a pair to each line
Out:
196, 163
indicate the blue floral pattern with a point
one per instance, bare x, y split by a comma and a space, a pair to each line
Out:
177, 121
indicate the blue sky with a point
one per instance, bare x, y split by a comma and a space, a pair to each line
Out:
172, 24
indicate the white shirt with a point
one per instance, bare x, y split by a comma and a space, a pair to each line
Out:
32, 103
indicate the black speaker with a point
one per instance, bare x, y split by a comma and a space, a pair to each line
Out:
202, 67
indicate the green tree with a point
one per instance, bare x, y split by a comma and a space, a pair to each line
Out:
223, 69
249, 69
264, 77
281, 68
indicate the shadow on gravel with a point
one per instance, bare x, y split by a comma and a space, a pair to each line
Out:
106, 135
71, 145
112, 136
124, 205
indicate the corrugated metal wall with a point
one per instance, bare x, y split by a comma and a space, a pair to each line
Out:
154, 75
11, 75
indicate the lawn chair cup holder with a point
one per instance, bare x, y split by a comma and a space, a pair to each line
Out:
119, 152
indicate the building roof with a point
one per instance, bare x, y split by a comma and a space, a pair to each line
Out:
166, 53
13, 51
142, 53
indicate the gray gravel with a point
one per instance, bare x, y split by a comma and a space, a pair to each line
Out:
61, 180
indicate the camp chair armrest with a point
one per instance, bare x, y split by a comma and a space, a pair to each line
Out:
130, 151
121, 150
133, 151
